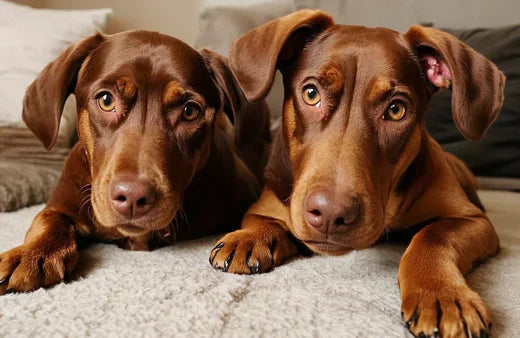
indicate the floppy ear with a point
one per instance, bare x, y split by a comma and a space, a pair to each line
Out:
255, 56
477, 84
45, 97
249, 119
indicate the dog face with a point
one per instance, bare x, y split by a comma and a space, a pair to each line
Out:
353, 115
147, 106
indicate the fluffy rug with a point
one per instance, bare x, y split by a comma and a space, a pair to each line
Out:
174, 291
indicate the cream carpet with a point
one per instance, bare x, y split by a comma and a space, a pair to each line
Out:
174, 292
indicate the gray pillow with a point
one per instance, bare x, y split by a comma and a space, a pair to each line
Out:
28, 172
498, 153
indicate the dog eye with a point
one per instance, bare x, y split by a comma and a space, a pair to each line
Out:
311, 95
106, 102
395, 111
190, 111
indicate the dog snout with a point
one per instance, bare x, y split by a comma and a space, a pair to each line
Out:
328, 212
132, 198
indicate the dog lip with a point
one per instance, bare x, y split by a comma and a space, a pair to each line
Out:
132, 229
327, 247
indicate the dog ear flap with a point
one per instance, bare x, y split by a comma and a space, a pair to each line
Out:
45, 97
255, 56
247, 117
477, 84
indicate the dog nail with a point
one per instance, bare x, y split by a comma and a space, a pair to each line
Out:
402, 314
422, 335
255, 268
218, 246
483, 333
214, 253
66, 275
10, 291
228, 261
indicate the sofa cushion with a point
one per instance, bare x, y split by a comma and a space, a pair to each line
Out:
29, 39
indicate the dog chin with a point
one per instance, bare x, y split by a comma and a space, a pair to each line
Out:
327, 248
131, 230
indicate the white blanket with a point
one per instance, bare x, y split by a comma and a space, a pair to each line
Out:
174, 291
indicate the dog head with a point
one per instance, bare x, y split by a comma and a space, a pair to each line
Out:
353, 114
147, 106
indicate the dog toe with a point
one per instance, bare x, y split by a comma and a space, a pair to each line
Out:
28, 267
451, 312
242, 252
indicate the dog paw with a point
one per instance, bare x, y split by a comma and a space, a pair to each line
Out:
446, 312
29, 267
248, 252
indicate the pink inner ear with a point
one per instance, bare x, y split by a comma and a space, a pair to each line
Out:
437, 71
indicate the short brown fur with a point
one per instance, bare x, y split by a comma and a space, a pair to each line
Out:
382, 174
199, 176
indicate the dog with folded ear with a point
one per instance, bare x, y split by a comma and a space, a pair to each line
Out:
353, 158
169, 149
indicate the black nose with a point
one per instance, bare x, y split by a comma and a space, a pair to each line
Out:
328, 212
132, 198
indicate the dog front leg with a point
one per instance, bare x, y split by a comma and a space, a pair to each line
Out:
48, 255
262, 243
436, 300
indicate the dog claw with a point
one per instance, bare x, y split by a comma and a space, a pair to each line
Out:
412, 320
483, 334
214, 253
66, 274
255, 268
228, 261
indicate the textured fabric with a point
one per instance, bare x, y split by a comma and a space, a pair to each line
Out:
499, 183
174, 291
28, 172
498, 153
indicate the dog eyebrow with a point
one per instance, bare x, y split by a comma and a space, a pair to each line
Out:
126, 87
173, 93
382, 90
331, 78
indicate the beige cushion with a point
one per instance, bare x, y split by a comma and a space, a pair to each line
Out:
30, 39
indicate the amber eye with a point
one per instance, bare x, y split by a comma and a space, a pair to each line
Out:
190, 111
311, 95
395, 111
106, 102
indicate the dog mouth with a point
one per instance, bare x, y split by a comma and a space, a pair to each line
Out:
159, 219
327, 248
129, 229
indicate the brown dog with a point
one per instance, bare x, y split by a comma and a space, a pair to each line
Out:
156, 159
353, 158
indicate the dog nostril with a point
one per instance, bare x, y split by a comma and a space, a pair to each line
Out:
340, 221
316, 212
141, 202
121, 198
